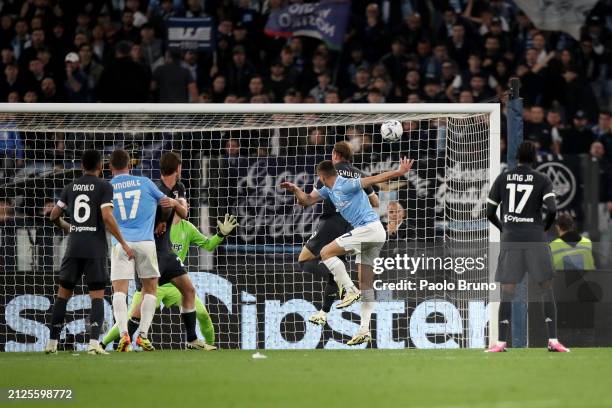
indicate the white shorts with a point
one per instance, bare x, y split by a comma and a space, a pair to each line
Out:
144, 262
365, 241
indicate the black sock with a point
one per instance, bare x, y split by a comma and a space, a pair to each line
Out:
57, 319
133, 323
331, 293
189, 321
505, 312
549, 308
96, 318
309, 266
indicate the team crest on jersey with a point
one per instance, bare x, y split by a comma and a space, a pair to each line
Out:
563, 180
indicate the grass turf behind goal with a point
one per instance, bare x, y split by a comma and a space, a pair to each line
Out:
531, 378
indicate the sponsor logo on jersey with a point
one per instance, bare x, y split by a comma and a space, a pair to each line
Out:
82, 228
514, 218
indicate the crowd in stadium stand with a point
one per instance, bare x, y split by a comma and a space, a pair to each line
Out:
412, 51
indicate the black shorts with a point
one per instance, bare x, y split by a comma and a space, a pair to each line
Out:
94, 269
328, 230
170, 266
517, 258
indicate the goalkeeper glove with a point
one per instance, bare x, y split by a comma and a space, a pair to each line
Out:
227, 226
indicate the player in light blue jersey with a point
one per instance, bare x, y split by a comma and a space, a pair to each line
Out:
365, 239
135, 202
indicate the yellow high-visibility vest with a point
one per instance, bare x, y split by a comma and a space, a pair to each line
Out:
579, 257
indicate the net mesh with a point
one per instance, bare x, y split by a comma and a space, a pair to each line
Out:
254, 290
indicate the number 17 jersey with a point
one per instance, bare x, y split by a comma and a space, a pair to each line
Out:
135, 202
521, 193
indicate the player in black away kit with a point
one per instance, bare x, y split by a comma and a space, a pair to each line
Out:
171, 268
523, 194
331, 226
89, 202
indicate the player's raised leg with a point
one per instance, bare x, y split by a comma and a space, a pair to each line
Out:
330, 256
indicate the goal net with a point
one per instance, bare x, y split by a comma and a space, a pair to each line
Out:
234, 158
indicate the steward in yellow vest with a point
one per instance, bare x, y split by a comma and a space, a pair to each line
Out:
571, 250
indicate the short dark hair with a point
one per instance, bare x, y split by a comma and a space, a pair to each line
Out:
566, 222
526, 153
326, 167
120, 159
91, 159
344, 149
169, 163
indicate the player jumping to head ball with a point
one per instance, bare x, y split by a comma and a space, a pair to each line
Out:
365, 239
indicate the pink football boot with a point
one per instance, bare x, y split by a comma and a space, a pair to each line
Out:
556, 347
500, 347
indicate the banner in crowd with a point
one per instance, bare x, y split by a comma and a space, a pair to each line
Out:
558, 15
325, 20
195, 34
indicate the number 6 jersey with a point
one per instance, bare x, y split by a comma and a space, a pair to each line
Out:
83, 200
522, 193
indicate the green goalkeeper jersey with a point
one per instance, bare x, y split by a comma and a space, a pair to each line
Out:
183, 234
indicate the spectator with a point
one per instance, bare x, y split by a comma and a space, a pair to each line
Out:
571, 250
219, 89
127, 32
395, 61
21, 37
36, 42
36, 75
396, 215
357, 92
49, 91
11, 82
332, 96
174, 83
91, 68
277, 81
323, 86
239, 72
124, 80
578, 138
373, 34
77, 82
538, 131
151, 47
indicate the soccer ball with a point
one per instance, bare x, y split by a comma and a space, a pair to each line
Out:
391, 131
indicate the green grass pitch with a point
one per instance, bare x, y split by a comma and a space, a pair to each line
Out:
527, 378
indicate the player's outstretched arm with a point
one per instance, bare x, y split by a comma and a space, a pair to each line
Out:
56, 218
208, 243
113, 227
305, 200
404, 167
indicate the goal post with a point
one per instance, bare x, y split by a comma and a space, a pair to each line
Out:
234, 157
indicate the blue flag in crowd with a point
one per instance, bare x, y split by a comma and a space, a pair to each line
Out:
191, 33
325, 20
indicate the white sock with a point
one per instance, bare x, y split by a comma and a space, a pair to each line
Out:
147, 310
52, 343
120, 311
94, 343
553, 340
365, 316
342, 278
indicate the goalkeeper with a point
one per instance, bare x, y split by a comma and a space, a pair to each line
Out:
182, 235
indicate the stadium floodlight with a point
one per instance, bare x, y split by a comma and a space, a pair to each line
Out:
234, 158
